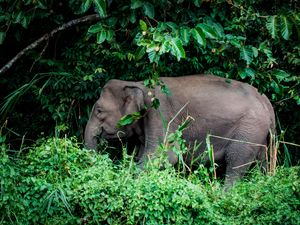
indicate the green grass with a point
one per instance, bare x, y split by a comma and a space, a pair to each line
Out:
58, 182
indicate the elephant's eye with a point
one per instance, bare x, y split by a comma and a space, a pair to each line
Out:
99, 111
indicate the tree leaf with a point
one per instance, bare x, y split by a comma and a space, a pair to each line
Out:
177, 48
165, 47
255, 52
101, 36
272, 25
149, 10
110, 34
172, 25
153, 56
143, 25
139, 53
246, 54
218, 29
248, 72
132, 17
281, 75
208, 30
85, 6
129, 119
155, 103
199, 36
125, 120
285, 27
95, 28
101, 7
136, 4
185, 35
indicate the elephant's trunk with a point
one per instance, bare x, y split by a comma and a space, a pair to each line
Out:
90, 135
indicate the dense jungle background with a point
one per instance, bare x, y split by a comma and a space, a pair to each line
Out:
56, 55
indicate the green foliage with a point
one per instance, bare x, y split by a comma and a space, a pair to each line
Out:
129, 119
57, 182
138, 40
260, 201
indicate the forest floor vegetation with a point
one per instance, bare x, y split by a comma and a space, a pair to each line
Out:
59, 182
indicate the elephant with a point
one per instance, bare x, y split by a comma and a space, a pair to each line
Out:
238, 118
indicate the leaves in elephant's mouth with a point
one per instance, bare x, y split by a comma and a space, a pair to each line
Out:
130, 118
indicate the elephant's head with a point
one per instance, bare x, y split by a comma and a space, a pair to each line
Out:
118, 98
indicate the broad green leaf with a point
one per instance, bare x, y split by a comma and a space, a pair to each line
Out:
95, 28
129, 119
172, 25
272, 25
101, 36
255, 52
248, 72
143, 25
155, 103
152, 47
158, 37
246, 54
109, 35
112, 21
276, 87
101, 7
281, 75
285, 27
177, 48
165, 47
218, 30
132, 17
235, 43
136, 4
25, 21
185, 35
164, 88
148, 9
199, 36
2, 37
139, 53
153, 57
267, 51
86, 5
208, 30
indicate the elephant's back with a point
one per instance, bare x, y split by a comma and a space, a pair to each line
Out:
210, 88
208, 94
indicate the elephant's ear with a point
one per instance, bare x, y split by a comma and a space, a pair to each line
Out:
133, 100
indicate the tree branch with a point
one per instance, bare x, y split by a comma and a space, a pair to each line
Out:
46, 37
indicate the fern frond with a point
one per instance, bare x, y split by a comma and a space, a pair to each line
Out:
285, 27
272, 25
246, 53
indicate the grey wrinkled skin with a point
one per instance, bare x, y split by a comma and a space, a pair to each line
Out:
229, 109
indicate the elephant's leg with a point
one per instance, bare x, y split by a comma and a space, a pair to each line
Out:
239, 157
154, 135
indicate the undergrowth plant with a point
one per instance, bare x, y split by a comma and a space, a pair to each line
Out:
58, 182
55, 81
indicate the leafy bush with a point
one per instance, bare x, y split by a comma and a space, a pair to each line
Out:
135, 40
58, 182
